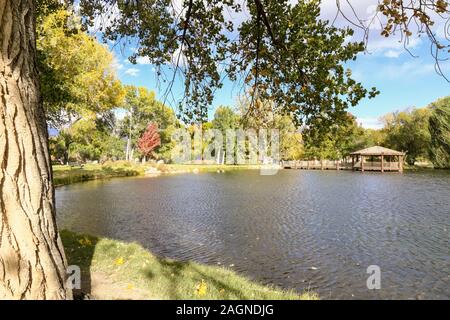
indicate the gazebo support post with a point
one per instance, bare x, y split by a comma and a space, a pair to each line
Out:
382, 163
362, 163
400, 163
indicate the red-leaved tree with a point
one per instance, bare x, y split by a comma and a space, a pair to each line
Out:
149, 140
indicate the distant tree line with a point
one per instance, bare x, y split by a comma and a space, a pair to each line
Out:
424, 134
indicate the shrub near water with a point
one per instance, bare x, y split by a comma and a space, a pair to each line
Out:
164, 278
63, 175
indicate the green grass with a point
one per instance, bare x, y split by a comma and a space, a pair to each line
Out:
63, 175
162, 278
408, 167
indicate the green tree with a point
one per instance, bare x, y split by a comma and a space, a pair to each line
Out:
370, 138
78, 83
439, 126
92, 139
291, 141
338, 143
266, 115
225, 118
60, 146
77, 72
408, 131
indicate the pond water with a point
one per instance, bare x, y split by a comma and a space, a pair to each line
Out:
316, 230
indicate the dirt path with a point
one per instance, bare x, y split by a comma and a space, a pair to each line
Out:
104, 287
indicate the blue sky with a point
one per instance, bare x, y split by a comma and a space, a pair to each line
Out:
404, 81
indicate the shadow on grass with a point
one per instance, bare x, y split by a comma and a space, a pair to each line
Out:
80, 252
175, 272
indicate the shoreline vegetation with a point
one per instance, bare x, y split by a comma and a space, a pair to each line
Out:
65, 175
113, 269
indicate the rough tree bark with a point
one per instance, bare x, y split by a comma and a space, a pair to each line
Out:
32, 260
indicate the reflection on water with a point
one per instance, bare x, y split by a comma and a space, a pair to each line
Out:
298, 229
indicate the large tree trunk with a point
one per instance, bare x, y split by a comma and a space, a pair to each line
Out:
32, 261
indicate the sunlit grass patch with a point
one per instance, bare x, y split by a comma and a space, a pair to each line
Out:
165, 278
63, 175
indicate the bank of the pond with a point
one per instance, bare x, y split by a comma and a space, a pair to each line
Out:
116, 270
64, 175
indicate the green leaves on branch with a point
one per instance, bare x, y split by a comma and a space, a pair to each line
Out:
281, 51
341, 139
298, 62
77, 72
408, 131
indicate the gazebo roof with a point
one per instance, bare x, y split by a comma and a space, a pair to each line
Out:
378, 151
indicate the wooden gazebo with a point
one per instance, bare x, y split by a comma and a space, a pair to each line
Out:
377, 159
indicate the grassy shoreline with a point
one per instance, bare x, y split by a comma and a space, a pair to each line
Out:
65, 175
128, 271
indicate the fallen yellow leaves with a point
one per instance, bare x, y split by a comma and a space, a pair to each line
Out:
85, 242
119, 261
201, 288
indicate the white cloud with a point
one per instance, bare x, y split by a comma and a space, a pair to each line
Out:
358, 75
392, 54
105, 19
178, 58
370, 123
132, 72
117, 66
364, 11
411, 68
392, 45
143, 60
